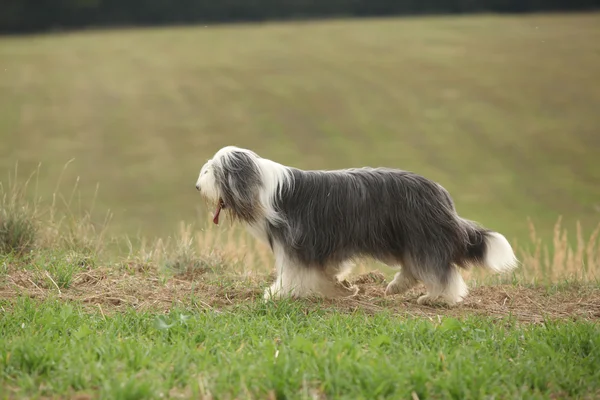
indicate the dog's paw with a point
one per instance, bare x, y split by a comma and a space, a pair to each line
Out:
271, 294
391, 289
426, 299
352, 291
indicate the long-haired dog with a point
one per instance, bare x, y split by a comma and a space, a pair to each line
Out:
316, 222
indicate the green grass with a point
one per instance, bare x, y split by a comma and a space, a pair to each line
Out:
502, 110
55, 348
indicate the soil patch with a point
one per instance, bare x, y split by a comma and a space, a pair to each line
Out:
113, 289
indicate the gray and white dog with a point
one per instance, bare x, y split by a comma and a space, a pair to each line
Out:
317, 222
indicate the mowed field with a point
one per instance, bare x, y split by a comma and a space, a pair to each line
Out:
503, 111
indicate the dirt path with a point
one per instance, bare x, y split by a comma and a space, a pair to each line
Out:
113, 289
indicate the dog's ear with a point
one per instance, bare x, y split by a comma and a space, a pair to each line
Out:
240, 181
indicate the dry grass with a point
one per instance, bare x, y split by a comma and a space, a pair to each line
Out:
540, 262
64, 223
110, 289
560, 260
218, 268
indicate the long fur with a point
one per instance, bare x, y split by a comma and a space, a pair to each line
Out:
316, 222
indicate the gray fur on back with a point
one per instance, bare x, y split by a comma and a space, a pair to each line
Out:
395, 216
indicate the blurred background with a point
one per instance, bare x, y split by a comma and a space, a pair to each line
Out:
498, 100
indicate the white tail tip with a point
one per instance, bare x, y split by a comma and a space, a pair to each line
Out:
499, 255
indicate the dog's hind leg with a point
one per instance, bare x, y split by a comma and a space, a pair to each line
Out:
344, 270
337, 285
402, 282
456, 289
450, 286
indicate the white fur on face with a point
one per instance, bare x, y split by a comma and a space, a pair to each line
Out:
273, 175
206, 182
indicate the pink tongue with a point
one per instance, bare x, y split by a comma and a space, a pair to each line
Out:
216, 217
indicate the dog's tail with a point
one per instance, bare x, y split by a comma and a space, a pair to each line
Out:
488, 249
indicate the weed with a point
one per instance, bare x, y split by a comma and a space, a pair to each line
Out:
561, 260
19, 225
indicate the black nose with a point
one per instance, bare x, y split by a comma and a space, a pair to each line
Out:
198, 187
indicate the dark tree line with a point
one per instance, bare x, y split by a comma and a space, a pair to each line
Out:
20, 16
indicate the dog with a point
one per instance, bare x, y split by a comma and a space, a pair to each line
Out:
317, 222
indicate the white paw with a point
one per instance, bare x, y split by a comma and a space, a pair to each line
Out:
391, 289
425, 299
270, 295
267, 294
453, 302
273, 292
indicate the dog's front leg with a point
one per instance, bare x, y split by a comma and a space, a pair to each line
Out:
276, 290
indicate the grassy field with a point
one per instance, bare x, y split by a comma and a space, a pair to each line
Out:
285, 351
500, 110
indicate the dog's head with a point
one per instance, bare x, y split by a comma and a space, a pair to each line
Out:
232, 180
